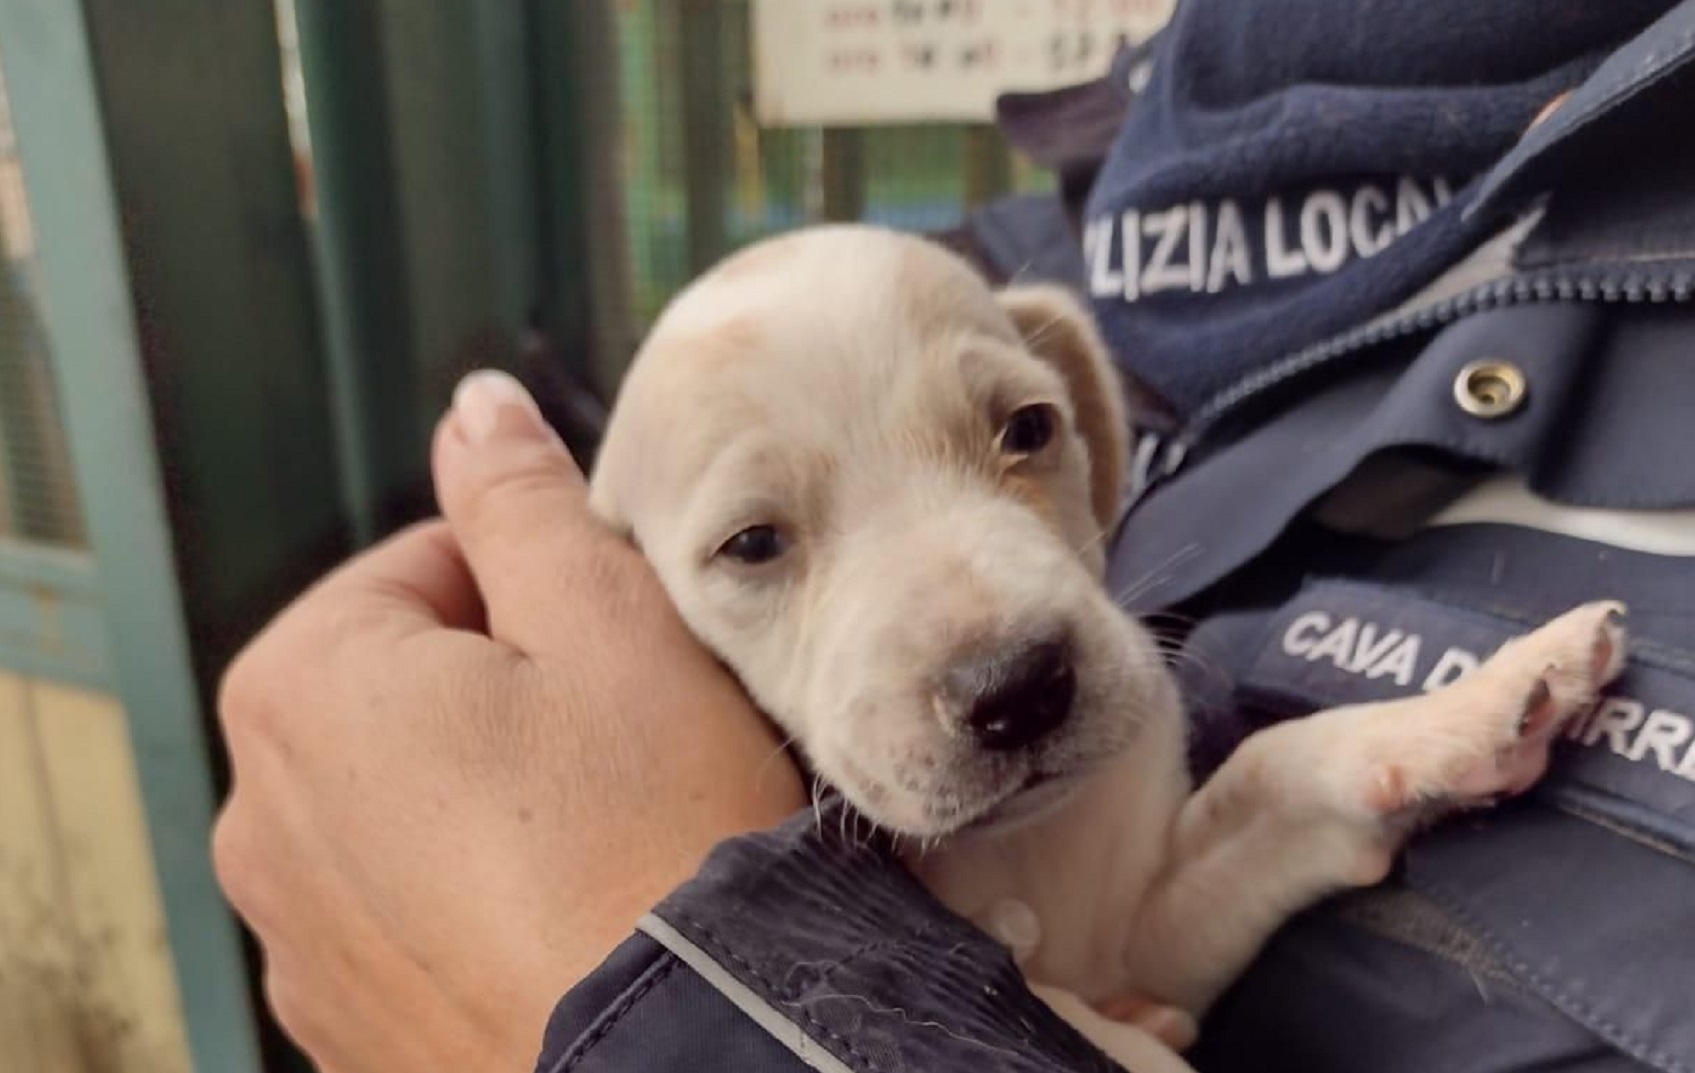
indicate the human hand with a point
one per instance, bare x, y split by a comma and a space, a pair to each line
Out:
469, 760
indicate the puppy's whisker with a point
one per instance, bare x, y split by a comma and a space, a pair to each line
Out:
1184, 657
1157, 576
1093, 542
765, 764
1162, 571
1175, 620
1040, 333
818, 791
1203, 665
851, 816
862, 841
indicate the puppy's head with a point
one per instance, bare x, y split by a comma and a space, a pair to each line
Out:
879, 491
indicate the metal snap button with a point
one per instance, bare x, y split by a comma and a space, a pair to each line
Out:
1140, 75
1490, 388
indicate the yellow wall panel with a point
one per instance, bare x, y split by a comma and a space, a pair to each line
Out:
40, 1026
82, 935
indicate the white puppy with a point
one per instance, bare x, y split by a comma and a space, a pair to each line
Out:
880, 492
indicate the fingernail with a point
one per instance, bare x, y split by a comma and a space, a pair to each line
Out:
490, 402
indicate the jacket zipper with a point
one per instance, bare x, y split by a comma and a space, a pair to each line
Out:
1676, 286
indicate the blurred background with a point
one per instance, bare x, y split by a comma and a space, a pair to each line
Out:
249, 246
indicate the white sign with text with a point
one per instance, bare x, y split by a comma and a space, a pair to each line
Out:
862, 62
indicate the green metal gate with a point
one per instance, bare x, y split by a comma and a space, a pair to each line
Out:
88, 581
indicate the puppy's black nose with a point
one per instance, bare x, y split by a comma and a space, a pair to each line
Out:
1014, 697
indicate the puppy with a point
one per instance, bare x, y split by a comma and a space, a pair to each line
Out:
880, 492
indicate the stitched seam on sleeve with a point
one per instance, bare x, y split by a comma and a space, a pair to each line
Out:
610, 1019
819, 1031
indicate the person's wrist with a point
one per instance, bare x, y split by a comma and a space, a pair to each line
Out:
662, 861
654, 859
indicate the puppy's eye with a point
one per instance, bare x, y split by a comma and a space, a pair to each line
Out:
1029, 429
754, 545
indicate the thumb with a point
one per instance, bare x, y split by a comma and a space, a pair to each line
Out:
517, 504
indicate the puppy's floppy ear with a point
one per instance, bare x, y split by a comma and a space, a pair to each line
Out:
608, 482
1058, 329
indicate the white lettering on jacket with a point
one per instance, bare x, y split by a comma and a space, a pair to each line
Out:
1206, 247
1623, 726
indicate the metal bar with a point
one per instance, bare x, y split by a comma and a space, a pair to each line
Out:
37, 497
988, 165
51, 616
646, 98
706, 137
454, 221
355, 245
191, 92
437, 245
20, 437
587, 311
422, 115
63, 570
462, 310
500, 35
90, 318
359, 254
843, 173
441, 192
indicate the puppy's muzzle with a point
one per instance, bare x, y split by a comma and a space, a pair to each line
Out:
1015, 696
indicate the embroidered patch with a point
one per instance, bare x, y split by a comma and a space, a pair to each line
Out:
1632, 759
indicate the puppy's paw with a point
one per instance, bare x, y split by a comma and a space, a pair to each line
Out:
1489, 735
1125, 1041
1015, 926
1171, 1025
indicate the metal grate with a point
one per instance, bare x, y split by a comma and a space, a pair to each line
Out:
699, 175
38, 500
632, 125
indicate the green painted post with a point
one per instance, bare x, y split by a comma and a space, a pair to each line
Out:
442, 240
584, 171
640, 84
191, 95
706, 135
843, 168
459, 185
501, 40
92, 323
359, 252
361, 270
988, 165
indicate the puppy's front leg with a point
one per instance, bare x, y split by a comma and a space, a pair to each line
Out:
1129, 1044
1315, 805
1138, 1034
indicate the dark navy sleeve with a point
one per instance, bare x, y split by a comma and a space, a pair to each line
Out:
800, 949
